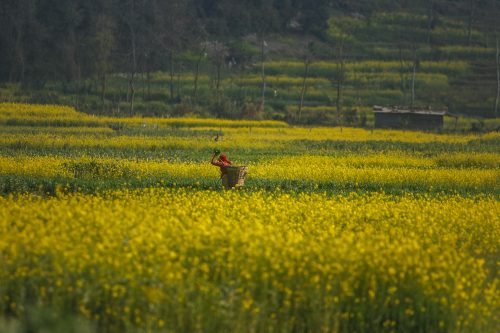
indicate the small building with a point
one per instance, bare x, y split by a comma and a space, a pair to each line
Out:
408, 119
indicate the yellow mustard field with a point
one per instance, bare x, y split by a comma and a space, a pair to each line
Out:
55, 115
446, 172
122, 224
211, 261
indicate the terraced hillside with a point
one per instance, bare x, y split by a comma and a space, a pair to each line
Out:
384, 59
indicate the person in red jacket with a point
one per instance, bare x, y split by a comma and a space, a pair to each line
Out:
222, 162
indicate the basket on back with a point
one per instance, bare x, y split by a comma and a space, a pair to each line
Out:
236, 175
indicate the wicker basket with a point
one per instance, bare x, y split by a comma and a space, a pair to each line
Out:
236, 175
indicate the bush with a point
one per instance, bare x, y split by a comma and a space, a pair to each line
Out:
95, 169
224, 108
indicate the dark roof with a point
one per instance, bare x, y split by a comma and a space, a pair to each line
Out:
380, 109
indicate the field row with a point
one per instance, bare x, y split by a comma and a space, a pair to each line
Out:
321, 72
455, 173
40, 117
201, 260
14, 114
150, 139
121, 222
361, 68
143, 152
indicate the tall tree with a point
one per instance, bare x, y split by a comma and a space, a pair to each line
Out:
60, 21
493, 18
263, 73
341, 75
173, 28
132, 25
314, 15
14, 18
201, 49
217, 52
103, 42
309, 57
497, 62
414, 68
431, 19
307, 63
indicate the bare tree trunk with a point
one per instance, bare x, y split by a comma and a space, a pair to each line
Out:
179, 83
498, 77
401, 74
218, 77
470, 21
412, 104
197, 73
19, 56
414, 70
148, 79
143, 86
263, 74
78, 87
216, 67
303, 90
340, 82
131, 82
103, 90
131, 87
171, 57
430, 20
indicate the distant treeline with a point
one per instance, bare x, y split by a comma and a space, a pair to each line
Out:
72, 42
43, 40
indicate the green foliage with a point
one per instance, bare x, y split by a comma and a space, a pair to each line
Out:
45, 319
94, 169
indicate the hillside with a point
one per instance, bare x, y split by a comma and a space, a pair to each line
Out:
334, 75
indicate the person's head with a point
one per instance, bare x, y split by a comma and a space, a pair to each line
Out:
223, 158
